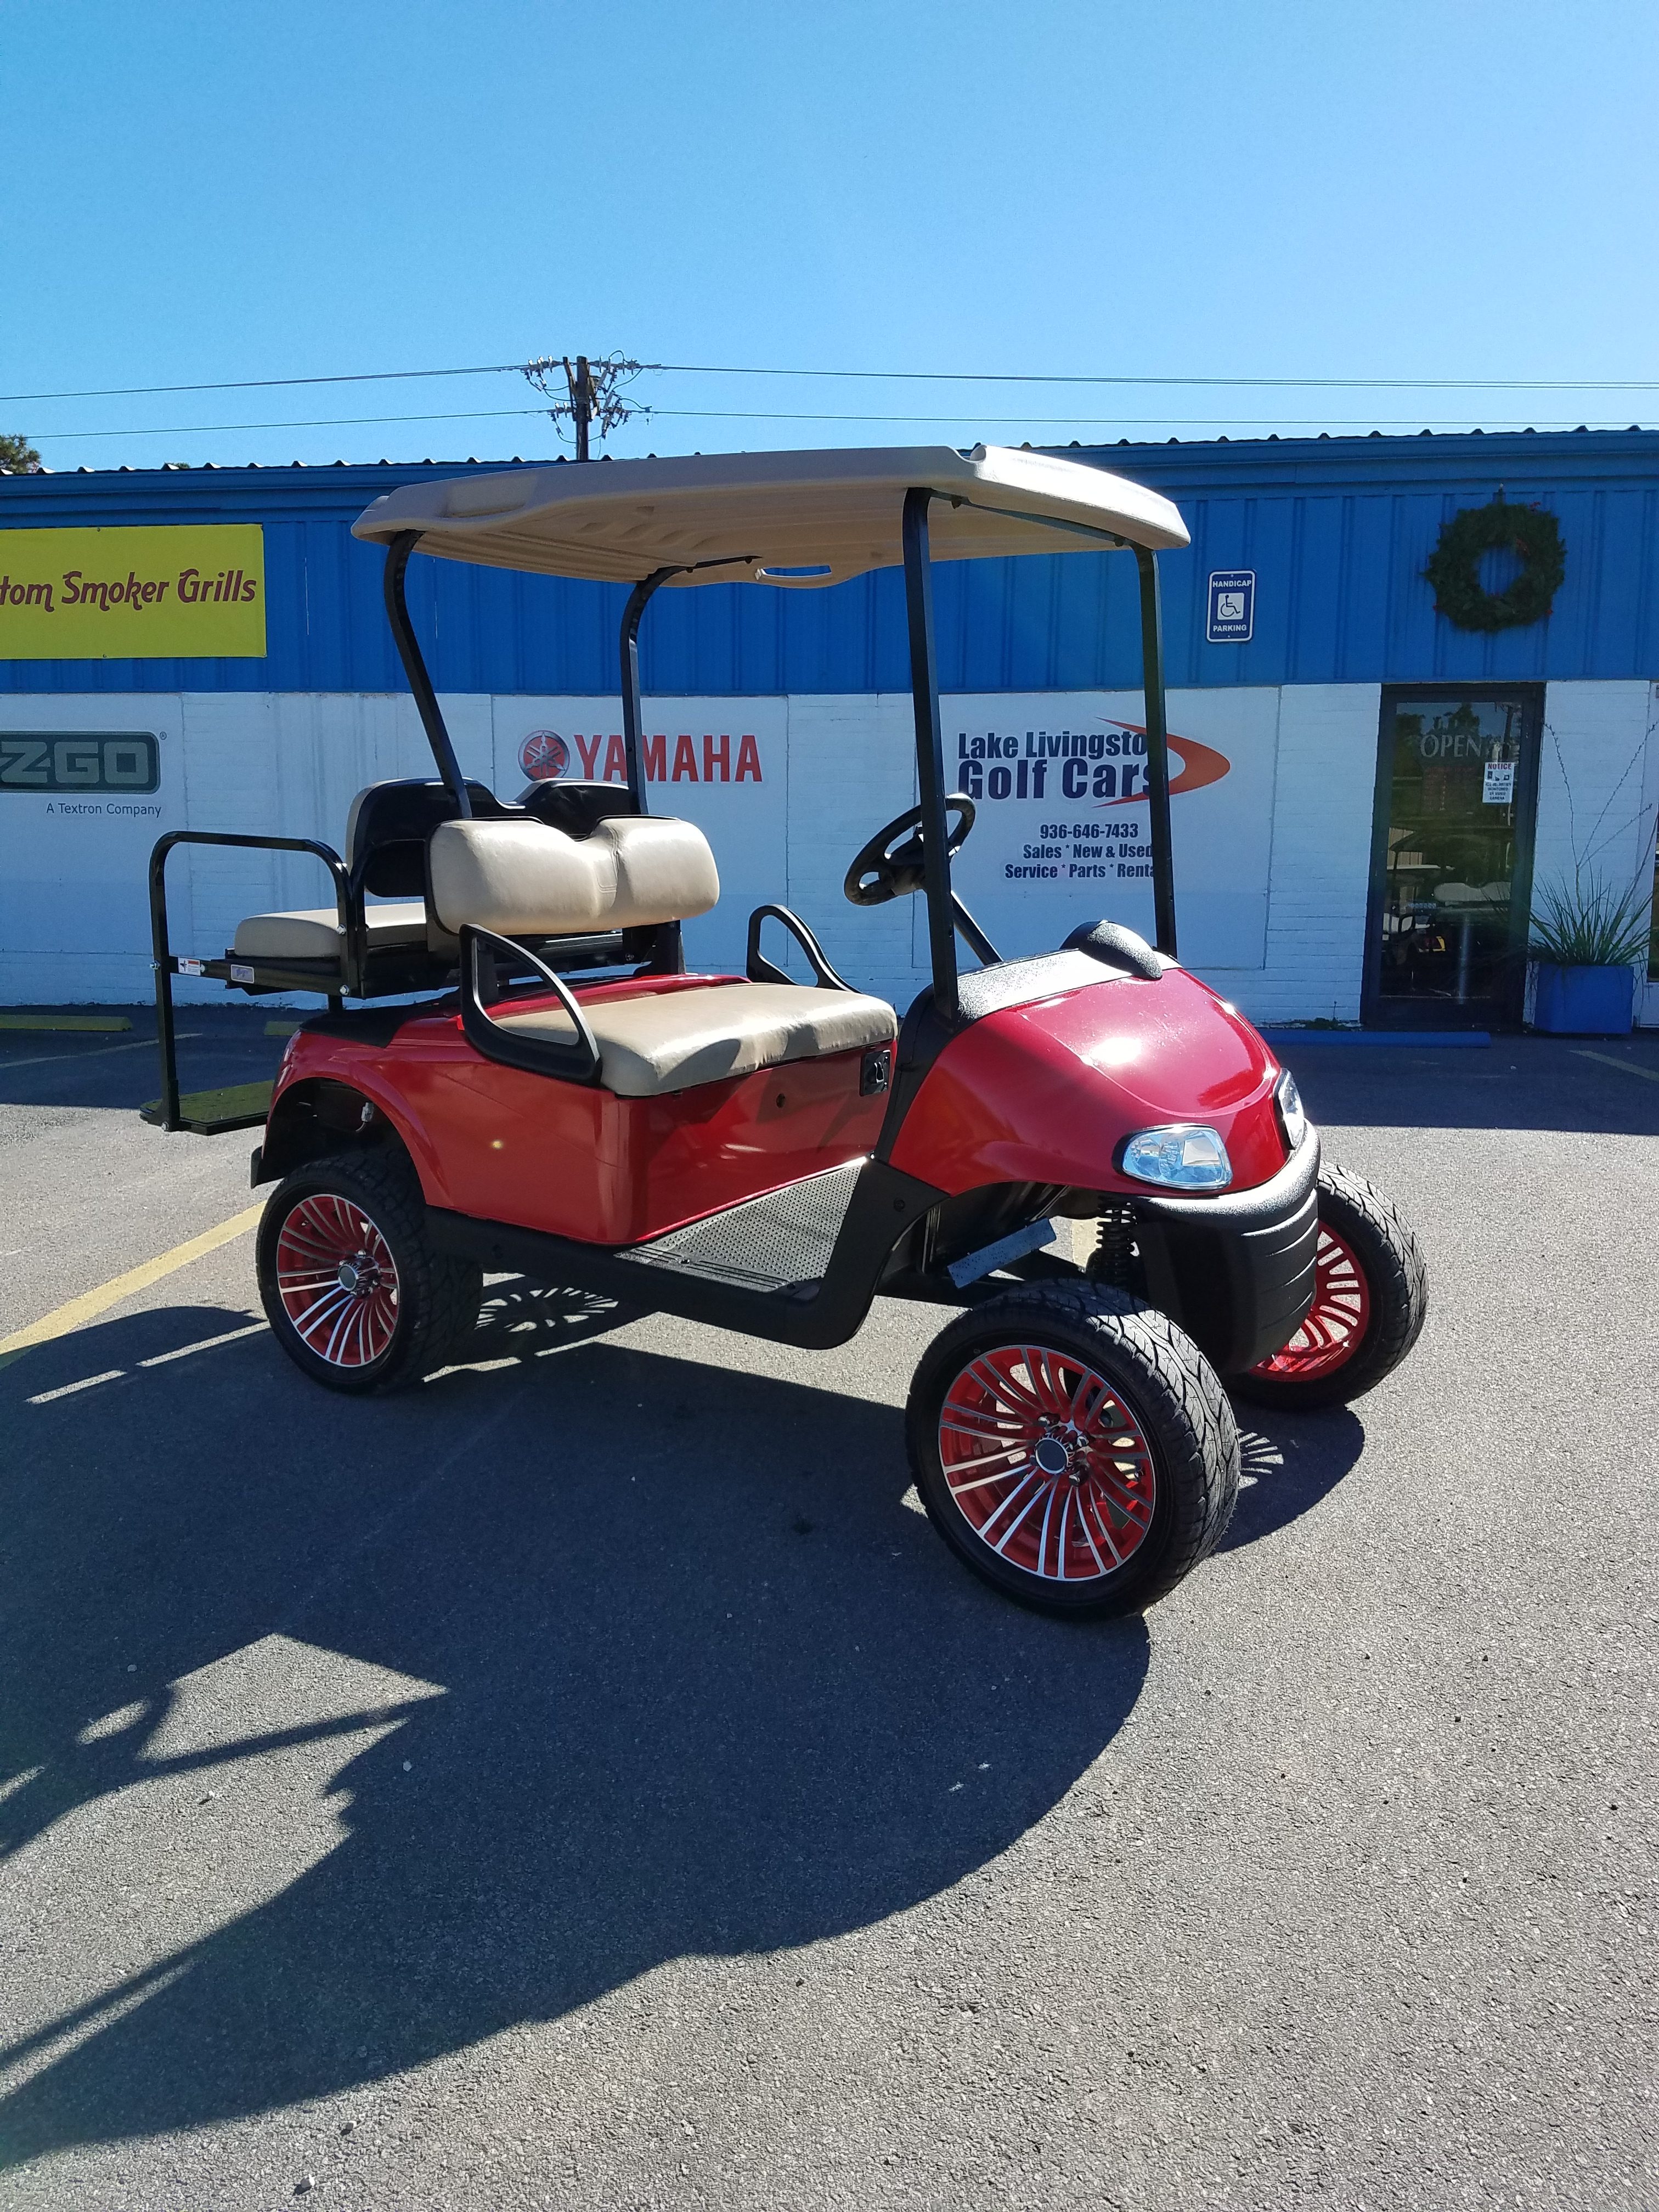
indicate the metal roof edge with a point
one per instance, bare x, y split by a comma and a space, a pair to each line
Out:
1370, 462
1364, 463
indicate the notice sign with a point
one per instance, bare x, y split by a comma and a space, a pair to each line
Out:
159, 594
1062, 833
1497, 784
1231, 614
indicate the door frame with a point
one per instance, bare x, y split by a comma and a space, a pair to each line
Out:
1375, 1011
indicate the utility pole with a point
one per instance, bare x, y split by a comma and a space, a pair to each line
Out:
581, 400
592, 394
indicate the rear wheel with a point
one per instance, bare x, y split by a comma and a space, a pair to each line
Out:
1370, 1296
355, 1293
1073, 1447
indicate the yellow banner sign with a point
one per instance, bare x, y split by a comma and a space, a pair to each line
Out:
159, 594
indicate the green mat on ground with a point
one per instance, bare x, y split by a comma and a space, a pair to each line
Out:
237, 1106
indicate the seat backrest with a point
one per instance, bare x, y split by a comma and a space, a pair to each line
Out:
388, 826
528, 879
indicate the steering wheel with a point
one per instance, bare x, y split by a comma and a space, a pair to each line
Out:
892, 865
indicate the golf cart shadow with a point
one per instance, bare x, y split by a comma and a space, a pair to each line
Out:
1288, 1463
667, 1669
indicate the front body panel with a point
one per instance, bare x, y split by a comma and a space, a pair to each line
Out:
1047, 1092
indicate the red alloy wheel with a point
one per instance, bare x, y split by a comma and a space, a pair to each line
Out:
1046, 1463
1337, 1321
337, 1281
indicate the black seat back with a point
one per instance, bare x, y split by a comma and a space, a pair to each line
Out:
575, 807
389, 823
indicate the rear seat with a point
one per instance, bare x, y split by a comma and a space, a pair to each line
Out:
674, 1040
385, 829
314, 932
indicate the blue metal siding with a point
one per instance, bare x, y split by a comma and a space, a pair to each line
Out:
1337, 531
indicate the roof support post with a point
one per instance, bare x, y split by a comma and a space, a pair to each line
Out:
632, 713
408, 652
930, 753
1157, 750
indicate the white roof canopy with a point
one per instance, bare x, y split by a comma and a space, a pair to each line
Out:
757, 517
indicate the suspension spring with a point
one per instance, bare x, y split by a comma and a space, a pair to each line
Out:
1113, 1257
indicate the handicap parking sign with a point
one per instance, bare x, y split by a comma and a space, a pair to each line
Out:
1232, 607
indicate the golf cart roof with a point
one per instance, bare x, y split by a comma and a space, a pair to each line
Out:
791, 518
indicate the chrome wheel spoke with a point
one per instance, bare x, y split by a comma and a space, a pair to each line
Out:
1052, 1395
1017, 1526
977, 1421
1088, 1537
1111, 1544
1032, 1475
1124, 1495
998, 1385
983, 1482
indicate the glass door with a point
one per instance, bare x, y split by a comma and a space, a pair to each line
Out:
1451, 861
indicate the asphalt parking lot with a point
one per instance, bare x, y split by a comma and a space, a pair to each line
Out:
585, 1780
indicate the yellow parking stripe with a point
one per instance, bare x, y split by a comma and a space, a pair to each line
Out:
91, 1303
1647, 1075
34, 1023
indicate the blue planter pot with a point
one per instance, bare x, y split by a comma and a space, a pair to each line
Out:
1585, 1001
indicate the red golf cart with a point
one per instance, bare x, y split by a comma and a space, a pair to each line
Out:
571, 1104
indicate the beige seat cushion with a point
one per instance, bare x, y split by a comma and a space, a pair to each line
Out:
673, 1040
314, 934
529, 879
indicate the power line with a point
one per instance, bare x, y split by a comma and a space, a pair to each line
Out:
879, 376
1227, 383
261, 383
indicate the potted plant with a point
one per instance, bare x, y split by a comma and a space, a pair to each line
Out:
1586, 939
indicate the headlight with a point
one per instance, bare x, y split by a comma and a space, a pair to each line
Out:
1186, 1156
1291, 1115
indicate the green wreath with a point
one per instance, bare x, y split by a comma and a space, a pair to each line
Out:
1532, 534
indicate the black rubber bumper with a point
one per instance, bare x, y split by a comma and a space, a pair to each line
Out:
1236, 1271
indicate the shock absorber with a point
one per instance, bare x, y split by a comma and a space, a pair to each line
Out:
1113, 1259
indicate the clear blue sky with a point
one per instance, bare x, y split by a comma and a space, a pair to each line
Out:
1379, 188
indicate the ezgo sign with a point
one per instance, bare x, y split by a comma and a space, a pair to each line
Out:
74, 763
161, 595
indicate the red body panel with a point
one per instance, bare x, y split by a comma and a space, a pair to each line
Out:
1046, 1093
1041, 1093
503, 1144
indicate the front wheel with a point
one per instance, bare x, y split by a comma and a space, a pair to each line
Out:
1073, 1447
353, 1289
1370, 1296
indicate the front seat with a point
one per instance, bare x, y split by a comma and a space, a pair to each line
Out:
664, 1041
523, 879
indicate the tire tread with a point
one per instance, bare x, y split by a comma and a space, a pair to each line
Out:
440, 1292
1197, 1436
1398, 1280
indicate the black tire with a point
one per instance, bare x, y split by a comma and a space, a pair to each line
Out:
1396, 1296
1156, 1375
388, 1336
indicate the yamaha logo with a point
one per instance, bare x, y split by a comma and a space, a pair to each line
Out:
544, 756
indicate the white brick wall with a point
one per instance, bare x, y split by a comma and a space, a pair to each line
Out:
852, 769
73, 920
1598, 788
1320, 864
